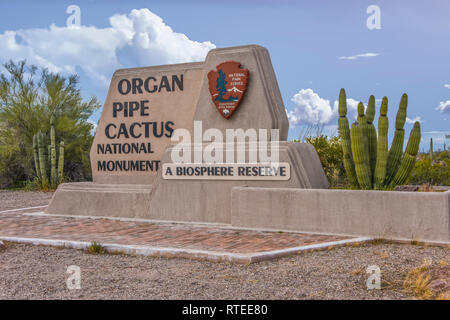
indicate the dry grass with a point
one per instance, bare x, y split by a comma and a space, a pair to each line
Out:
426, 187
356, 272
417, 281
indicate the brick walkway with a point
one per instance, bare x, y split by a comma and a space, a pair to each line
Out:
187, 237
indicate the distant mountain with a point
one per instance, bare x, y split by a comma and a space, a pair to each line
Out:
234, 89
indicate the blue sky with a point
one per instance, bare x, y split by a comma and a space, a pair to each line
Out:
306, 40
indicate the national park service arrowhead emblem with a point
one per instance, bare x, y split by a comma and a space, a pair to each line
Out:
227, 85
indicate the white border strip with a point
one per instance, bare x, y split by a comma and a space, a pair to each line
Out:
184, 253
22, 209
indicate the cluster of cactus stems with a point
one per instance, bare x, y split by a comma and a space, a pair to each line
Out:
55, 176
367, 160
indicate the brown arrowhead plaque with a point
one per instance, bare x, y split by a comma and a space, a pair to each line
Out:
227, 85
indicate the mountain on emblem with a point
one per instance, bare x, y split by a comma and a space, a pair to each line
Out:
227, 85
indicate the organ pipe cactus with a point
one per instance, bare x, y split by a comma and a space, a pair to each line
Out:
374, 166
41, 162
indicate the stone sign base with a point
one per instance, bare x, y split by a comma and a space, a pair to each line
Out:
210, 200
395, 215
94, 199
183, 200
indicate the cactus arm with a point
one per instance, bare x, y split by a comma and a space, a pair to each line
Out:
344, 132
409, 157
42, 160
53, 173
371, 133
360, 155
61, 162
382, 147
364, 159
396, 151
36, 156
431, 150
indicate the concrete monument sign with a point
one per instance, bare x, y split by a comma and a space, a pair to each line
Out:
226, 116
206, 142
143, 108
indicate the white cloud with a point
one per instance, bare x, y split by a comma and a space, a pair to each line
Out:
447, 86
360, 55
444, 106
311, 109
412, 121
140, 38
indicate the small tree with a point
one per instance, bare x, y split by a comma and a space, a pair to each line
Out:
29, 97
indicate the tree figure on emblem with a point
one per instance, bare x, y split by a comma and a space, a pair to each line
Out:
221, 89
221, 83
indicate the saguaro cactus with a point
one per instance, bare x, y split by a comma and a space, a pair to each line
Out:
41, 162
344, 132
374, 165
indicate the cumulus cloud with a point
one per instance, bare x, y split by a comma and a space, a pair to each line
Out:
140, 38
412, 121
360, 55
447, 86
311, 109
444, 106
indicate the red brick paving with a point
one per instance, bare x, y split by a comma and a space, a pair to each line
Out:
160, 235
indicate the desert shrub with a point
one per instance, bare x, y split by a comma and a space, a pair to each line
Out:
29, 96
329, 150
95, 248
436, 173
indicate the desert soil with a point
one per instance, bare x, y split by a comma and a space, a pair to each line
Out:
38, 272
22, 199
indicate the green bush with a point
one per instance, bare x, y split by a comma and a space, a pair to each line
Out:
29, 96
329, 150
435, 173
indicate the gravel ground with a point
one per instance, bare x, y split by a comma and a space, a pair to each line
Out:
37, 272
23, 199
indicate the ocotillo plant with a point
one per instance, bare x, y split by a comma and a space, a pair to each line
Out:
366, 156
41, 162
